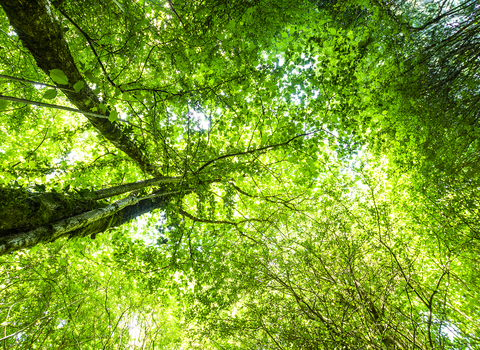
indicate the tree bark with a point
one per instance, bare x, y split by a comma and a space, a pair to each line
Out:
27, 218
41, 34
86, 223
116, 190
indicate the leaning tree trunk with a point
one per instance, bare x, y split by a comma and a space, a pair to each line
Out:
27, 219
41, 34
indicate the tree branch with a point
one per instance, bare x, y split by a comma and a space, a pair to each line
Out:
32, 82
254, 150
35, 150
90, 222
90, 43
48, 105
116, 190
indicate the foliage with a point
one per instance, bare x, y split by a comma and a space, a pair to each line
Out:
251, 174
70, 296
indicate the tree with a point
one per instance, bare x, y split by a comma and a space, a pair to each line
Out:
261, 174
358, 270
181, 100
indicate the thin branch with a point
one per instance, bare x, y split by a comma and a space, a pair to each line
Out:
175, 12
35, 150
34, 82
90, 42
48, 105
270, 335
195, 219
38, 319
231, 223
254, 150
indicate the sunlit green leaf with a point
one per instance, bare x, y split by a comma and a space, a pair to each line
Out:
79, 85
113, 115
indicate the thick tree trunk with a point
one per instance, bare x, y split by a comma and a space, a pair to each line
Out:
77, 224
28, 218
42, 35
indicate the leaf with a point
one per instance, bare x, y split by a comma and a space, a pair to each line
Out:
59, 76
102, 107
113, 116
79, 85
85, 193
50, 94
90, 76
39, 187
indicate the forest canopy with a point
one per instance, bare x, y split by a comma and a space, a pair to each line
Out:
247, 174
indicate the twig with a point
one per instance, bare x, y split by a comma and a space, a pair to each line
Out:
254, 150
35, 150
35, 83
48, 105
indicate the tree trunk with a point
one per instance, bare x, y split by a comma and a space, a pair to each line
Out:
42, 35
28, 219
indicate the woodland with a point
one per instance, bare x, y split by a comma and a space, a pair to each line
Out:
243, 174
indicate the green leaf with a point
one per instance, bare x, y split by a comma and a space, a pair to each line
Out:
102, 107
113, 116
40, 187
91, 77
79, 85
59, 76
50, 94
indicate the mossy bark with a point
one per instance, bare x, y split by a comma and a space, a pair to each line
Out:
22, 210
27, 219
